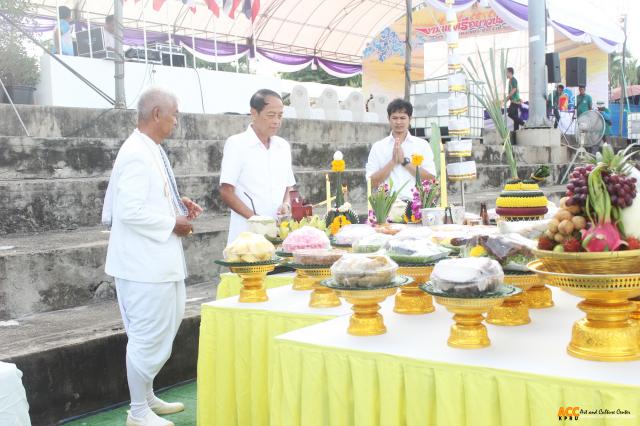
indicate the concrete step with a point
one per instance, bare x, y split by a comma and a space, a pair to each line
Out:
73, 360
37, 205
62, 158
473, 199
61, 122
56, 270
38, 158
493, 177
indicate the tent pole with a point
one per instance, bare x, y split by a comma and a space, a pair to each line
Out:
215, 42
537, 86
623, 80
169, 34
119, 60
144, 32
193, 40
407, 51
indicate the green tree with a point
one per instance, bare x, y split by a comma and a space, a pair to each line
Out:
16, 66
320, 76
631, 70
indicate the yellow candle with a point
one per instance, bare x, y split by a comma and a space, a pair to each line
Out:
444, 202
328, 188
368, 193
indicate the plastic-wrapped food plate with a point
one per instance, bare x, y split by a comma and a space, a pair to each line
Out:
415, 250
349, 234
371, 243
364, 270
468, 276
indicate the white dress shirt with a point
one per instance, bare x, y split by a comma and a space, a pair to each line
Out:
108, 40
382, 152
262, 173
142, 245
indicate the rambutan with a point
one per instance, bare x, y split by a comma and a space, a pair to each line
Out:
545, 243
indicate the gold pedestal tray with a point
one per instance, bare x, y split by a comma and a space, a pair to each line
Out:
468, 332
514, 310
301, 281
607, 333
321, 296
636, 314
410, 299
366, 320
252, 276
539, 296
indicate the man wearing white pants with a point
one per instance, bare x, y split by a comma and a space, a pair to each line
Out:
145, 256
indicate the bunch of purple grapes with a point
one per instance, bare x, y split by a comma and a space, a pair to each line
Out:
578, 187
621, 188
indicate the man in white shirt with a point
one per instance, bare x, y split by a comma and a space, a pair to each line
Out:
148, 219
390, 158
107, 33
256, 173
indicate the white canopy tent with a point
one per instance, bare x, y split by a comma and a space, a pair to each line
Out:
336, 30
332, 29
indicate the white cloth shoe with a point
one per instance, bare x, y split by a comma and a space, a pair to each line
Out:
161, 407
150, 419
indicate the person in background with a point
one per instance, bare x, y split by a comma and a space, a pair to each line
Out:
514, 101
63, 37
553, 103
390, 158
109, 30
583, 102
606, 115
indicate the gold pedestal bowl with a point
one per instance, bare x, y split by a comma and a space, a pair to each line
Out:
321, 296
515, 309
539, 296
252, 276
410, 299
366, 320
607, 333
301, 281
468, 332
636, 313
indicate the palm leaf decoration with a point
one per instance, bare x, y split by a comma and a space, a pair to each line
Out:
492, 97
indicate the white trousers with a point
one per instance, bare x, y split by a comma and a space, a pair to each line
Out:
152, 313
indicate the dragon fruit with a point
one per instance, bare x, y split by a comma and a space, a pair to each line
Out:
602, 237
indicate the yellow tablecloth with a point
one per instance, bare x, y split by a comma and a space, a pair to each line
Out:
236, 344
409, 376
326, 386
230, 284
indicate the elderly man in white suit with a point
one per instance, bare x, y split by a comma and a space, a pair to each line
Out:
145, 256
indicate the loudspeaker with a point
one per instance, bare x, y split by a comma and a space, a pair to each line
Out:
552, 60
576, 71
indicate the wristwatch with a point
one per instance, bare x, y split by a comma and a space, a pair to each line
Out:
405, 161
